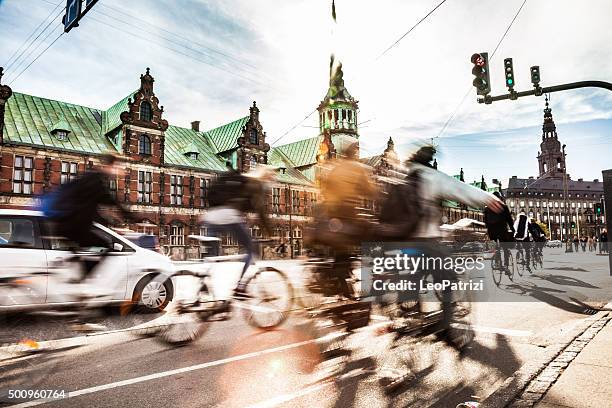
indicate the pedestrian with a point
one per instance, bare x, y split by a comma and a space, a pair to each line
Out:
590, 242
603, 242
583, 242
576, 242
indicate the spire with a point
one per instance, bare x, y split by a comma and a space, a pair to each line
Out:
548, 128
390, 153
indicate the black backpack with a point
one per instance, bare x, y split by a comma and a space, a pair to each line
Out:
231, 189
401, 211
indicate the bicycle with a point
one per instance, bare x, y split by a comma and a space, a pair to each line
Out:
266, 303
497, 268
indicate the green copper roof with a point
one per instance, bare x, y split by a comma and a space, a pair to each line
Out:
372, 161
178, 140
112, 115
301, 153
287, 173
225, 137
191, 148
30, 119
61, 124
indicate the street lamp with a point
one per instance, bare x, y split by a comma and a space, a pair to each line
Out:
568, 245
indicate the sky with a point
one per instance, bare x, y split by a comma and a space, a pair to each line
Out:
211, 59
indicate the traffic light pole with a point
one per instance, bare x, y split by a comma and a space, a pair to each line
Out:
549, 89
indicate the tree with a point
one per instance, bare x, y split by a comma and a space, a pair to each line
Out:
544, 228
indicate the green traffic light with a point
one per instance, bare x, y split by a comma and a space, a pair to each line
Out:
510, 82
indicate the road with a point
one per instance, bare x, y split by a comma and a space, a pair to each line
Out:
233, 365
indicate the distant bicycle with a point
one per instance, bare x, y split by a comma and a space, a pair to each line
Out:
266, 304
497, 268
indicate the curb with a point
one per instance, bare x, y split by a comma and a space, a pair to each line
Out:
522, 383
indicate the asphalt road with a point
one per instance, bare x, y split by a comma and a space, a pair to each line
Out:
233, 365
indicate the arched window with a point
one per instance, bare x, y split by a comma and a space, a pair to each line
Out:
144, 145
253, 137
145, 111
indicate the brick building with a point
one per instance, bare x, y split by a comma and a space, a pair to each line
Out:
565, 205
45, 143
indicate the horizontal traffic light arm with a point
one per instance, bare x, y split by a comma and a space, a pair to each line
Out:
549, 89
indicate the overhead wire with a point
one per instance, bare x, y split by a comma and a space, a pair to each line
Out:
32, 44
37, 57
179, 52
383, 53
454, 113
31, 34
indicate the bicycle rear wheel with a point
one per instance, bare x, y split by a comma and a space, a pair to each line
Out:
269, 298
520, 263
496, 269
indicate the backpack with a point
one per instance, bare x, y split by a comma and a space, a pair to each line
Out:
51, 202
229, 189
536, 232
401, 211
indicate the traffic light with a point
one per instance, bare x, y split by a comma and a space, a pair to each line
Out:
573, 224
509, 72
482, 81
598, 209
535, 75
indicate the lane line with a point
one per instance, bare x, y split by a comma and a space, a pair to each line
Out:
136, 380
281, 399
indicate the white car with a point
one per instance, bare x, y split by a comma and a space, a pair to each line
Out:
129, 273
554, 243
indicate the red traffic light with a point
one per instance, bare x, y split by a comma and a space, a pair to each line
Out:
478, 60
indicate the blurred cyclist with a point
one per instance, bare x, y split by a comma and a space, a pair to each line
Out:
75, 207
432, 187
497, 228
233, 195
339, 224
538, 235
522, 236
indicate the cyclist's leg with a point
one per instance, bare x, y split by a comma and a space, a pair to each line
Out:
243, 237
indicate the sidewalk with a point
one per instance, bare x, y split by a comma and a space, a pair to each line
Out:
586, 380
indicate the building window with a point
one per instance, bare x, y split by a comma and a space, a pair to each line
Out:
203, 193
295, 201
69, 172
22, 175
253, 137
144, 145
255, 231
176, 190
61, 135
252, 162
145, 183
112, 187
275, 199
193, 155
145, 111
177, 235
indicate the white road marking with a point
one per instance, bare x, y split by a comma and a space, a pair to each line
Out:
136, 380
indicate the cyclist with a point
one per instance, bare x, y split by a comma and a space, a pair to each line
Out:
432, 187
339, 225
75, 206
538, 235
231, 196
522, 236
497, 229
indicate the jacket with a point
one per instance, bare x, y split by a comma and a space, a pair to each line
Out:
436, 186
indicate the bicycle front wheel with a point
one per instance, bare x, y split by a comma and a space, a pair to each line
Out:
269, 298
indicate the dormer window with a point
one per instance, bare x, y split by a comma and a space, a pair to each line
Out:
145, 111
191, 151
144, 145
60, 129
253, 137
61, 135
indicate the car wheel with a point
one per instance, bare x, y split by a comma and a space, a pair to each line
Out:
152, 294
